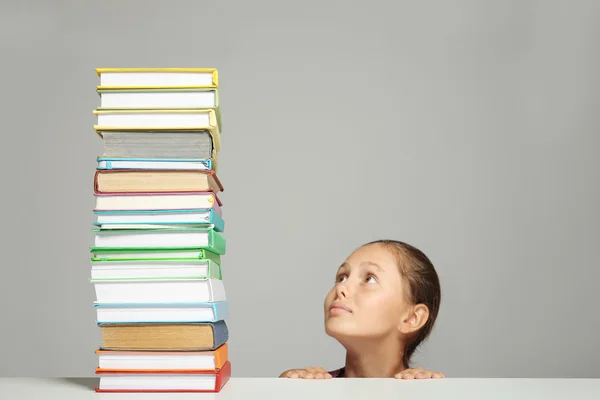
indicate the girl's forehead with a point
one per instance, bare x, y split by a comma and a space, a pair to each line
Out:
373, 252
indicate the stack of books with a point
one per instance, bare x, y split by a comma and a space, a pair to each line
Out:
156, 258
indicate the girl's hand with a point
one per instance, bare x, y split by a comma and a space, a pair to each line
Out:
418, 373
307, 373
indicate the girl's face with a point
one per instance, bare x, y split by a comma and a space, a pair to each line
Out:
368, 298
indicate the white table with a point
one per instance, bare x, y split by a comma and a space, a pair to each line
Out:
331, 389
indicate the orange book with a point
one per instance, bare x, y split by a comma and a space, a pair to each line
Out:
175, 361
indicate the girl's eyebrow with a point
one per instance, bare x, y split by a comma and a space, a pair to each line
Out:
363, 265
344, 265
368, 263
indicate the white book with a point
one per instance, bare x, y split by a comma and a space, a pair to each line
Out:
132, 313
199, 119
185, 290
158, 98
157, 77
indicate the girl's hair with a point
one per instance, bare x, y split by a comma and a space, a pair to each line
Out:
423, 287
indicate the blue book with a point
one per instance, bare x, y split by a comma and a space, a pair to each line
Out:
191, 336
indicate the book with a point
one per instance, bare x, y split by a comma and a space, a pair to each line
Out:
155, 268
173, 361
151, 120
153, 238
120, 78
159, 219
164, 337
158, 98
140, 163
161, 120
164, 381
157, 201
157, 145
161, 313
148, 180
182, 289
141, 254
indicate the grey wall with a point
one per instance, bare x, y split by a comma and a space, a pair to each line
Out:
466, 128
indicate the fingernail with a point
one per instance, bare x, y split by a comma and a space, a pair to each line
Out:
418, 375
294, 375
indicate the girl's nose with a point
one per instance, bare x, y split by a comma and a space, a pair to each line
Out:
342, 291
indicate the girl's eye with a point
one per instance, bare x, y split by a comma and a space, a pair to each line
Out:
341, 278
371, 279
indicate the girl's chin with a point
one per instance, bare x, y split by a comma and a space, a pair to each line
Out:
345, 330
340, 327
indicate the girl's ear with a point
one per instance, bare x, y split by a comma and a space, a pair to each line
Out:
417, 317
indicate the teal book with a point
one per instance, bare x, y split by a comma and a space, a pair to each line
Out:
155, 253
174, 238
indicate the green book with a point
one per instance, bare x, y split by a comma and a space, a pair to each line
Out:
173, 238
156, 253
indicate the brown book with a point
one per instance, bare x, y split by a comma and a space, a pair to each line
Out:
165, 337
147, 180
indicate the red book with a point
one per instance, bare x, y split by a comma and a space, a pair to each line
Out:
145, 381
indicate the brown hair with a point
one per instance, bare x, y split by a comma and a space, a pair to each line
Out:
423, 287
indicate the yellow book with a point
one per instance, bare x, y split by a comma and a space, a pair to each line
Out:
163, 98
164, 120
157, 78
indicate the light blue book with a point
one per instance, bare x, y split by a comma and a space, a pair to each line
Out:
130, 313
154, 163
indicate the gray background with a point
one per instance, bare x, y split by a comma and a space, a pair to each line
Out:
466, 128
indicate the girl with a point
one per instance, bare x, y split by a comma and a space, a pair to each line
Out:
383, 305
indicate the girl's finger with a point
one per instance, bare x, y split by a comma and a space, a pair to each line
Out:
306, 375
292, 374
423, 375
407, 375
311, 370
